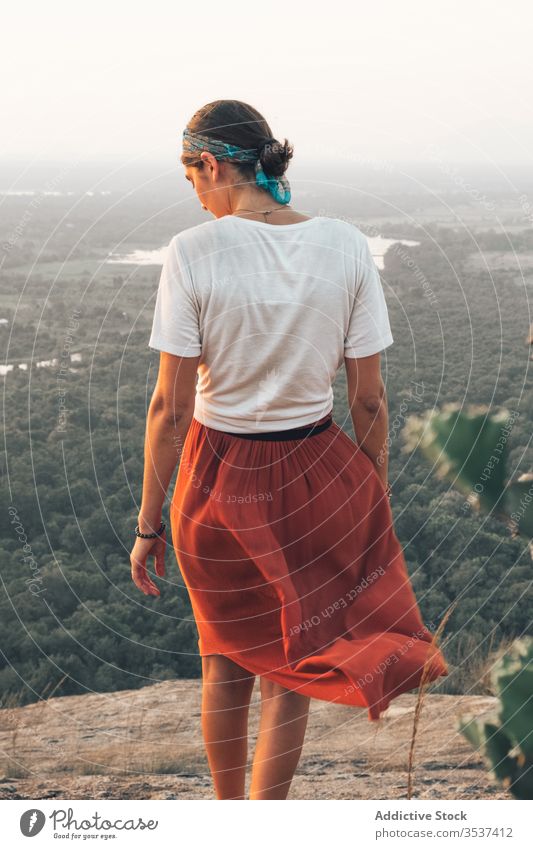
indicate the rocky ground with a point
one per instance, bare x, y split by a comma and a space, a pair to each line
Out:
146, 744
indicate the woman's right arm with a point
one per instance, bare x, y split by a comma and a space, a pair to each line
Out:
367, 399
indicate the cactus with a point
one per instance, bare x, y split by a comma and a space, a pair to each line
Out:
469, 448
506, 740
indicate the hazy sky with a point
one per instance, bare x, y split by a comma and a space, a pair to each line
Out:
377, 80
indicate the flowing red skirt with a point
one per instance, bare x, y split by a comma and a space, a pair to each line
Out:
293, 567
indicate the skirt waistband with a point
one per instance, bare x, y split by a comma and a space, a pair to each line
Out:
281, 435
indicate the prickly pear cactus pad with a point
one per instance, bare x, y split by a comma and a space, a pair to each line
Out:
506, 740
468, 447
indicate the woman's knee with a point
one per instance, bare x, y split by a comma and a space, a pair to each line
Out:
219, 669
271, 690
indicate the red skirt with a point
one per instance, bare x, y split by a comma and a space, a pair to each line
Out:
293, 567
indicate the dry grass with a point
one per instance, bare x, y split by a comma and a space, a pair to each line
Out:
424, 681
482, 683
11, 715
134, 751
493, 656
474, 658
141, 759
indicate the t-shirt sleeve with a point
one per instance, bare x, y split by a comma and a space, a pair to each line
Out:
175, 327
369, 328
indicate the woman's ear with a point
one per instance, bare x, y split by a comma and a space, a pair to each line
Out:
208, 159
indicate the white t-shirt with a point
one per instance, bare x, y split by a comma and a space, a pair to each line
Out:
271, 310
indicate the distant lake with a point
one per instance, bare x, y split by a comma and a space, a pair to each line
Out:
154, 257
378, 246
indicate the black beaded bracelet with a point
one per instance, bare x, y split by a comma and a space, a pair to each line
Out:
150, 536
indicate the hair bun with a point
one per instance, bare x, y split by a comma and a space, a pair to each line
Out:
274, 156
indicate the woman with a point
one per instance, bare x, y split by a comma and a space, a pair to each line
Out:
281, 523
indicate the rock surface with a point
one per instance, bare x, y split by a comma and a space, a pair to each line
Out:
147, 744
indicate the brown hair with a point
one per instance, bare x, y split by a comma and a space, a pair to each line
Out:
238, 123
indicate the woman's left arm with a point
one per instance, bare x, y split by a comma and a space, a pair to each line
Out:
169, 417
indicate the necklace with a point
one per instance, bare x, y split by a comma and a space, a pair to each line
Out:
261, 211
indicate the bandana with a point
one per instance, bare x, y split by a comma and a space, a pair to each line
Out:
278, 187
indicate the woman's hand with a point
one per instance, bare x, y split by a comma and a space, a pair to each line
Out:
143, 549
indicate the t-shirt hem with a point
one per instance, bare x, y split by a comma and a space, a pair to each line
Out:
177, 350
264, 427
353, 353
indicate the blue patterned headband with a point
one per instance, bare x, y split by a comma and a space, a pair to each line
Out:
278, 187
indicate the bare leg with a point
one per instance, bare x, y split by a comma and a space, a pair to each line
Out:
284, 715
226, 693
